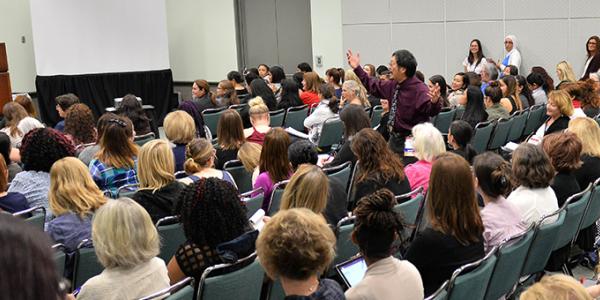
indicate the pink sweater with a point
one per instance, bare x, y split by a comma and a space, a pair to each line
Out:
418, 174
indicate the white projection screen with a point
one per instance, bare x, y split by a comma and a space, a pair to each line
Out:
73, 37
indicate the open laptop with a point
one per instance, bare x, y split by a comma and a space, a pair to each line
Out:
352, 271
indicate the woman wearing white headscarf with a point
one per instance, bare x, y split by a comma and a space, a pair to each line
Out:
513, 56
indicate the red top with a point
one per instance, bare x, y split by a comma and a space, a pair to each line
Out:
576, 103
309, 98
256, 136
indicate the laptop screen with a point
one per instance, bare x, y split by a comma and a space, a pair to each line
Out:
352, 271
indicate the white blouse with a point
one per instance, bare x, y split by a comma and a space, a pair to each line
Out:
474, 67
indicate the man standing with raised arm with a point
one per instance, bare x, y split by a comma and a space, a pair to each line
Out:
411, 101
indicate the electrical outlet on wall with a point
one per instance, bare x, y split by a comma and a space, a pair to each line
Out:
22, 39
319, 61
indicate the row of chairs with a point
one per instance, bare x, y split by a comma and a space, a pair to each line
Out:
525, 255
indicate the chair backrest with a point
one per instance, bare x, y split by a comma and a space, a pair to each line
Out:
242, 178
482, 136
140, 140
341, 173
277, 117
180, 174
410, 207
443, 120
516, 130
352, 179
597, 118
128, 190
241, 284
500, 135
276, 196
86, 264
472, 285
592, 213
575, 207
238, 107
176, 291
533, 120
294, 117
276, 291
331, 132
460, 110
376, 113
511, 257
543, 242
171, 236
209, 135
441, 293
60, 258
253, 204
211, 118
37, 218
345, 248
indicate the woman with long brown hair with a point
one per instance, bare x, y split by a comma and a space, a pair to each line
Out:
274, 164
378, 166
18, 123
455, 235
310, 85
592, 63
226, 94
230, 131
202, 97
308, 188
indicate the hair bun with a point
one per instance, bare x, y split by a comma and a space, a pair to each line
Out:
383, 201
256, 101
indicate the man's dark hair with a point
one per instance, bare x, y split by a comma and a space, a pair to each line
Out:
304, 67
405, 59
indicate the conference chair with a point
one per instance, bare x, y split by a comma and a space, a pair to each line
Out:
500, 135
441, 293
376, 114
140, 140
597, 118
238, 107
253, 203
180, 174
460, 110
276, 196
518, 126
294, 117
181, 290
242, 178
277, 117
344, 246
243, 283
534, 119
60, 258
410, 206
276, 291
471, 280
482, 136
171, 235
443, 119
341, 173
211, 118
128, 190
592, 212
332, 131
86, 264
312, 108
35, 216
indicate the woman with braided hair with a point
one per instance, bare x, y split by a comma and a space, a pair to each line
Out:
376, 228
211, 214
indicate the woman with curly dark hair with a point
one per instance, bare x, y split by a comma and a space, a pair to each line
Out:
211, 214
132, 109
378, 166
80, 125
40, 149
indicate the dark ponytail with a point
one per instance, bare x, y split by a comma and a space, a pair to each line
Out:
493, 174
463, 133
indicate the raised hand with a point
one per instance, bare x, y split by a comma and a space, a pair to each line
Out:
353, 59
434, 93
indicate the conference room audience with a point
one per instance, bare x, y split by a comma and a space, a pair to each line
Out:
226, 94
564, 151
9, 202
260, 120
460, 134
259, 88
548, 81
180, 130
249, 156
200, 163
80, 127
88, 153
27, 103
237, 80
489, 73
354, 119
128, 255
73, 198
459, 85
524, 92
286, 256
133, 110
231, 137
114, 165
493, 102
510, 70
190, 108
159, 191
455, 235
438, 80
18, 123
310, 86
202, 97
564, 73
592, 63
276, 76
589, 99
9, 154
327, 108
474, 108
508, 85
428, 144
350, 75
536, 85
334, 77
304, 67
532, 173
304, 152
475, 60
63, 102
378, 167
41, 148
274, 165
588, 132
558, 114
26, 259
352, 94
376, 229
501, 219
289, 95
308, 188
204, 229
513, 55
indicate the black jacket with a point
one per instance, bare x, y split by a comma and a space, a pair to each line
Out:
161, 202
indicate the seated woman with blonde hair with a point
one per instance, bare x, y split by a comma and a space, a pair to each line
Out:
73, 197
200, 163
260, 120
249, 155
180, 129
560, 287
159, 191
126, 244
308, 188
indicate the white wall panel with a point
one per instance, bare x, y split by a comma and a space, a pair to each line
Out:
536, 9
585, 8
431, 60
473, 10
417, 11
372, 41
360, 11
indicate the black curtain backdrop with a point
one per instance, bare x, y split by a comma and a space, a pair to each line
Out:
98, 91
